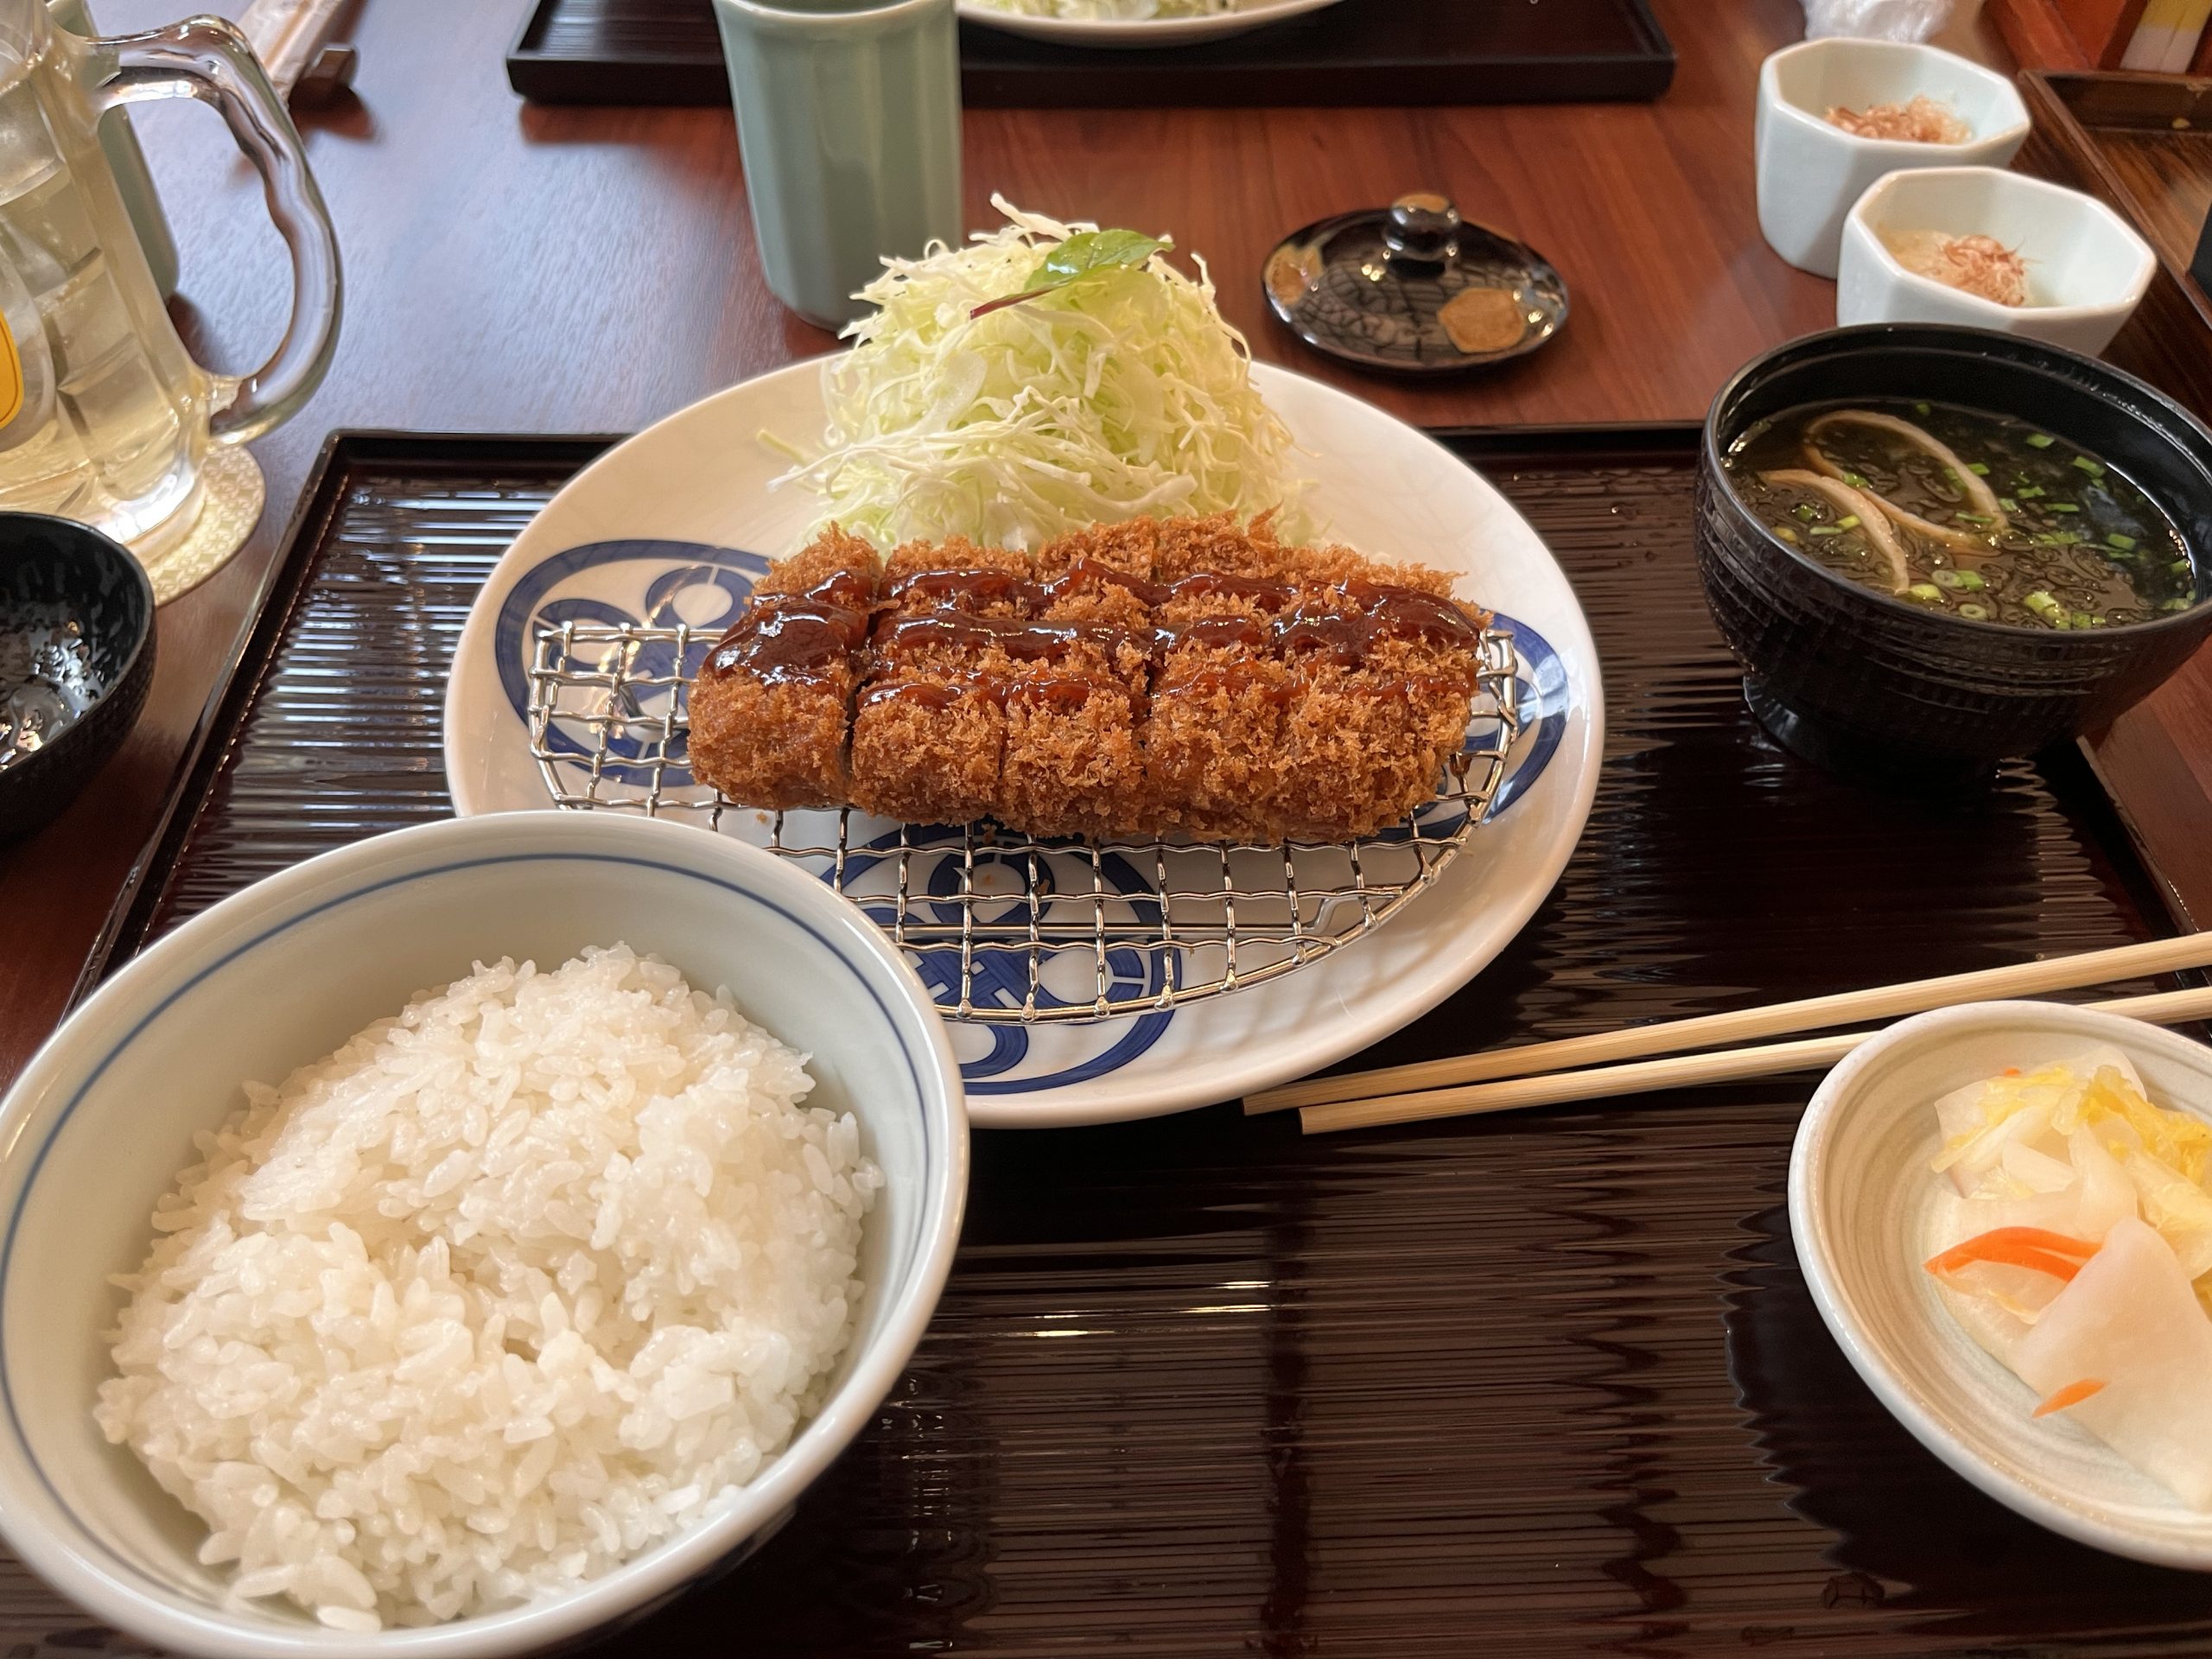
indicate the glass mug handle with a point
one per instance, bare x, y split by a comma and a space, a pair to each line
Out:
208, 58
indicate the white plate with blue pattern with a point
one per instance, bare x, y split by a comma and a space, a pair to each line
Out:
673, 526
1124, 33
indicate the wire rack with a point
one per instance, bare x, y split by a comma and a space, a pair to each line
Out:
1005, 929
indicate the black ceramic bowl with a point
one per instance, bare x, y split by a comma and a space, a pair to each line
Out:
54, 573
1866, 683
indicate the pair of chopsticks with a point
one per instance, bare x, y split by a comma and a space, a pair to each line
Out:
1591, 1068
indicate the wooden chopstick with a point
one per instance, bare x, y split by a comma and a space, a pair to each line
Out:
1747, 1025
1676, 1072
287, 34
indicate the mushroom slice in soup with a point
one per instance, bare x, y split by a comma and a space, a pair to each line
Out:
1977, 488
1872, 516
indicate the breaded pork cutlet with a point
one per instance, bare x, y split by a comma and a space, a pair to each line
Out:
771, 705
1299, 689
1384, 656
928, 725
1191, 676
1072, 756
1222, 696
1002, 685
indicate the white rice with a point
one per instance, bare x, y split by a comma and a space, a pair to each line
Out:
498, 1294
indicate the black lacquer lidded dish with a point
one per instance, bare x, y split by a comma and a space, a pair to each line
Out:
1414, 289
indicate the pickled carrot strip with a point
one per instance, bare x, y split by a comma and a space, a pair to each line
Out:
2043, 1238
2020, 1247
2072, 1395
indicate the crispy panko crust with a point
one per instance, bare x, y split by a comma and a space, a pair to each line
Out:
782, 743
1158, 677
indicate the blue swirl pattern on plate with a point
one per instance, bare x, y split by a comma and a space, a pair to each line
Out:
663, 584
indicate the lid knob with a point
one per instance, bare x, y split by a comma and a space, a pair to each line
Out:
1422, 226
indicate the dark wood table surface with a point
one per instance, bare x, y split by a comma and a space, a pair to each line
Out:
510, 269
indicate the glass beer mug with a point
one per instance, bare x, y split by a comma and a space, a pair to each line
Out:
104, 415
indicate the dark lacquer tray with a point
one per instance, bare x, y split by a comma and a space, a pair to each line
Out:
1367, 52
1548, 1383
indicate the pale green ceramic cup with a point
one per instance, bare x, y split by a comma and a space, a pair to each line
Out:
848, 117
132, 181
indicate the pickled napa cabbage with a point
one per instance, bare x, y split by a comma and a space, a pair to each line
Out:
2072, 1241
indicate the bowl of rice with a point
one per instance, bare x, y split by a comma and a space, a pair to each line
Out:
464, 1241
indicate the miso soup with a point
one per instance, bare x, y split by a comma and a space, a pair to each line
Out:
1978, 515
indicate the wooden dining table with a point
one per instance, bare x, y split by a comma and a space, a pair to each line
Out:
518, 269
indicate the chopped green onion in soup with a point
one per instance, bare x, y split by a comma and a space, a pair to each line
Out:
2071, 543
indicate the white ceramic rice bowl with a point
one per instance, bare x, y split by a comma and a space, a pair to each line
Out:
100, 1124
1860, 1194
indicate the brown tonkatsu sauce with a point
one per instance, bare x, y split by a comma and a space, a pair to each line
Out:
1385, 613
1181, 675
897, 636
803, 637
1217, 632
799, 637
1390, 611
992, 587
791, 640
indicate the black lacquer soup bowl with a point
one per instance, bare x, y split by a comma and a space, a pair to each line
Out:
1880, 687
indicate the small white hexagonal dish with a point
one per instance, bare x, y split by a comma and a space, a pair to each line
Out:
1866, 1209
2085, 269
1810, 169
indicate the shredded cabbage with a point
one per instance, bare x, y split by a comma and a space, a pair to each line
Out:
1120, 394
1106, 10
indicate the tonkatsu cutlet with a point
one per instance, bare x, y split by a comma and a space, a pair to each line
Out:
1156, 676
923, 750
771, 705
